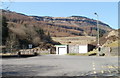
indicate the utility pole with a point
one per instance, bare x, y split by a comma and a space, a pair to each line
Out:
98, 43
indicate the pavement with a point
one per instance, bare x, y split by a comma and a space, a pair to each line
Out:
61, 65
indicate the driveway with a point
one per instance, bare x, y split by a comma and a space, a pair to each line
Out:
60, 65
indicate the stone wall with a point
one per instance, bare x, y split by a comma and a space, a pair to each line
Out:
114, 51
109, 51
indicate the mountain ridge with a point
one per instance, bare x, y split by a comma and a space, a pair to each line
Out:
61, 26
70, 18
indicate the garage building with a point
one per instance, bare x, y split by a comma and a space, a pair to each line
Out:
61, 49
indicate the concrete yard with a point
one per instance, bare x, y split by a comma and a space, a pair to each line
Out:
60, 65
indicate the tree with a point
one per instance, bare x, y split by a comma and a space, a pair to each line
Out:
48, 37
101, 32
40, 32
4, 30
12, 42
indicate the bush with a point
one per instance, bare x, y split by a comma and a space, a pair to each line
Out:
35, 53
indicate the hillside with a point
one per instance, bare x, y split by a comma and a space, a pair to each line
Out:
110, 38
17, 36
60, 26
78, 40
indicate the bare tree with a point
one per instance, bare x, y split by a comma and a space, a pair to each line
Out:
12, 43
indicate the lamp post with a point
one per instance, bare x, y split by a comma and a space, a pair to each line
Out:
97, 32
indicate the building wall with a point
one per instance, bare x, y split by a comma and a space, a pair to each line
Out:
83, 48
61, 49
109, 51
73, 49
78, 48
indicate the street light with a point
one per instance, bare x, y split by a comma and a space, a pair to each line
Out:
97, 32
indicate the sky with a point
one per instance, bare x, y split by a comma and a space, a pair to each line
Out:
107, 11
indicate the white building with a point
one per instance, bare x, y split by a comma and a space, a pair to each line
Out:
64, 49
61, 49
83, 48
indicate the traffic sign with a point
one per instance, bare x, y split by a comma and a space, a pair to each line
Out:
30, 45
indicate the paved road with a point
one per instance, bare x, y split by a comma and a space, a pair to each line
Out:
55, 65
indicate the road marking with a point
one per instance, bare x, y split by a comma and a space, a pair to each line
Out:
110, 67
116, 67
93, 68
116, 70
109, 71
94, 72
102, 71
102, 66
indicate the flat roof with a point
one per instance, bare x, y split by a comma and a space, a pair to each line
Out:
60, 45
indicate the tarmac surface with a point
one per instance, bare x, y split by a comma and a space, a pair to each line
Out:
61, 65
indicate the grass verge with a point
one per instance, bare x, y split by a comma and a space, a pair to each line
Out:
84, 54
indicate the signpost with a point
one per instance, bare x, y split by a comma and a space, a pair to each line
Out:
30, 46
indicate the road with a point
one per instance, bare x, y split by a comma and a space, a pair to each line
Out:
60, 65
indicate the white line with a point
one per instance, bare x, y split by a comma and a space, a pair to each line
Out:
94, 72
116, 67
93, 68
109, 71
102, 66
110, 67
102, 71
